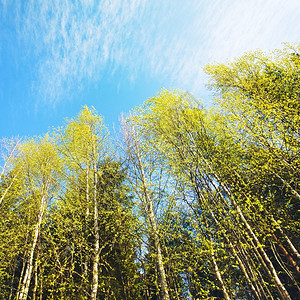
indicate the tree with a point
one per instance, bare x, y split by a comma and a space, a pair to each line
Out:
94, 211
40, 165
146, 178
259, 97
200, 203
194, 148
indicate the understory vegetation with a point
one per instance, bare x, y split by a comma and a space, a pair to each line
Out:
185, 203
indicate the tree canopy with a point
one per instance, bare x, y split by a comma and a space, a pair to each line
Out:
188, 203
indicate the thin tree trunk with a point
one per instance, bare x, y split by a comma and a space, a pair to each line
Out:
287, 255
35, 276
295, 193
219, 276
250, 263
281, 288
228, 241
97, 240
162, 274
87, 195
23, 293
217, 271
241, 264
171, 274
23, 269
7, 159
281, 247
293, 248
41, 289
149, 205
134, 156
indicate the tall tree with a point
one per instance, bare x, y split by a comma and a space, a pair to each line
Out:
259, 97
40, 168
96, 203
182, 131
145, 175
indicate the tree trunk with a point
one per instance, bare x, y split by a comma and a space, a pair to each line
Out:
293, 248
161, 269
281, 288
35, 277
23, 293
97, 240
241, 264
150, 213
87, 195
219, 277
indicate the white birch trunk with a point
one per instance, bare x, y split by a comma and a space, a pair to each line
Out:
281, 288
23, 293
219, 277
97, 241
150, 212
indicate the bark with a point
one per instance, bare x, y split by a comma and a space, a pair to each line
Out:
235, 253
281, 288
161, 269
150, 212
134, 154
287, 255
87, 195
293, 248
23, 293
219, 277
35, 277
23, 269
97, 240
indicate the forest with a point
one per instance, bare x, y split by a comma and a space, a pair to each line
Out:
183, 202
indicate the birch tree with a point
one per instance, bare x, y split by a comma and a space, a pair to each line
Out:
40, 164
95, 204
144, 166
186, 137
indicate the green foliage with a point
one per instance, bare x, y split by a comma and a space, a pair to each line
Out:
200, 204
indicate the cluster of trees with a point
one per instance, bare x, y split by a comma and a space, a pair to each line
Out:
187, 203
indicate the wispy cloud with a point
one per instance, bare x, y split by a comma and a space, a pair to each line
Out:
72, 43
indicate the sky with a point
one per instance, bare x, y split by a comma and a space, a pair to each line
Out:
57, 56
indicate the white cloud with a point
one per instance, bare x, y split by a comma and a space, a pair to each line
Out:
72, 42
221, 30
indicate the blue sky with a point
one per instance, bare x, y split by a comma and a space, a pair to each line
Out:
58, 55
